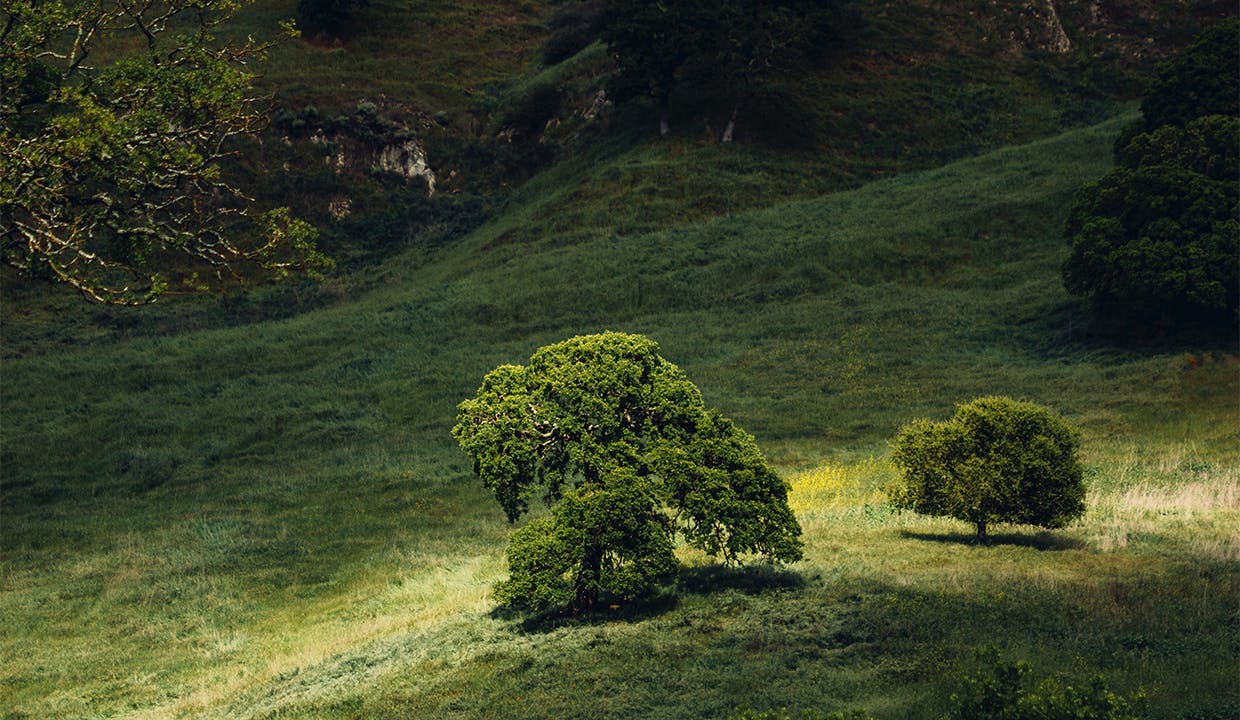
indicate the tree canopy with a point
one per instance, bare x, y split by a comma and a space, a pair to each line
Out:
116, 119
1155, 242
996, 460
730, 47
1200, 80
327, 17
618, 443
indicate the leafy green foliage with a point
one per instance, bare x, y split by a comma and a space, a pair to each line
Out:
1156, 241
613, 437
112, 179
730, 47
996, 460
1200, 80
1003, 692
606, 539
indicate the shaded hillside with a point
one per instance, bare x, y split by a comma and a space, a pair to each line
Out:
459, 95
456, 96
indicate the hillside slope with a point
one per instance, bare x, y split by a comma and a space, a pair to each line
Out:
271, 520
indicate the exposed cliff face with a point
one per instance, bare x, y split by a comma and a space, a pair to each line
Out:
405, 158
1137, 30
1134, 30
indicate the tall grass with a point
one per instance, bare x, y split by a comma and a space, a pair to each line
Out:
271, 520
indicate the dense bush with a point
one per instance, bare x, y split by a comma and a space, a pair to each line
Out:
616, 440
995, 461
1005, 691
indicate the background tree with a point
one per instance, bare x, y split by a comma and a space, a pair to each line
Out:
996, 460
327, 17
754, 41
732, 47
115, 122
651, 40
1156, 242
1200, 80
617, 441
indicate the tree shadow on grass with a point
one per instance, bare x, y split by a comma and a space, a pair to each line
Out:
699, 580
748, 579
528, 621
1037, 541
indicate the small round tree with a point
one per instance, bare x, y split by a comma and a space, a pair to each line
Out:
996, 460
617, 442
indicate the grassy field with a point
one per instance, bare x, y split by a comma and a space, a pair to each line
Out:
271, 520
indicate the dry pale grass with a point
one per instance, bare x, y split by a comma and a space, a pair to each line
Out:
1197, 503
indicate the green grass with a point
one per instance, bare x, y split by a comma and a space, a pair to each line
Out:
271, 520
434, 56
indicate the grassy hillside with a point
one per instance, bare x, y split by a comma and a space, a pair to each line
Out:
271, 520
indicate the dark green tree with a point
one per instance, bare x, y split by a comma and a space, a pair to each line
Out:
651, 41
756, 41
111, 176
731, 47
1156, 242
327, 17
618, 443
1200, 80
996, 460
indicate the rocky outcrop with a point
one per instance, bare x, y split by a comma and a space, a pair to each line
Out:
407, 159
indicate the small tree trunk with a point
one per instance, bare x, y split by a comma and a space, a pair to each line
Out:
981, 531
731, 128
589, 580
664, 113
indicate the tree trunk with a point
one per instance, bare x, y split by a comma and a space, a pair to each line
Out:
981, 531
589, 579
731, 128
664, 124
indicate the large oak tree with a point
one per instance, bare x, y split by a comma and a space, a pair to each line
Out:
618, 443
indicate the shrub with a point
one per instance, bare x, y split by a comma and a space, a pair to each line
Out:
1005, 691
996, 460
